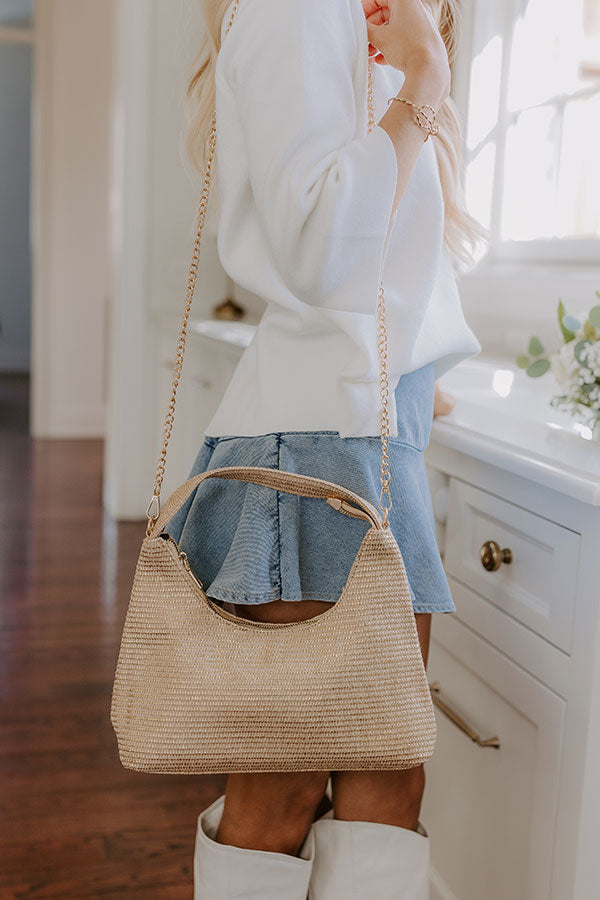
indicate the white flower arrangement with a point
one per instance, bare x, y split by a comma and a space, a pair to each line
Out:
575, 366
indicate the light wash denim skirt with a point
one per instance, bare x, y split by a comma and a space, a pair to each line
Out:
251, 544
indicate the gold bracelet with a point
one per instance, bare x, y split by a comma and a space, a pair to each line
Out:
425, 117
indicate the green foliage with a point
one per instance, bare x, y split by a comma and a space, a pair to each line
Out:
538, 368
535, 362
580, 346
535, 347
567, 334
594, 316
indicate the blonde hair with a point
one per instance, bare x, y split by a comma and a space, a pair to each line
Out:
462, 233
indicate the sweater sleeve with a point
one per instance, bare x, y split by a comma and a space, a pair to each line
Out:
323, 194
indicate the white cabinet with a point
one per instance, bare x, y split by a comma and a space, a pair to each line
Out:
491, 811
520, 661
537, 586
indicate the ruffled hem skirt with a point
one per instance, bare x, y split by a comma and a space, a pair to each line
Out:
251, 544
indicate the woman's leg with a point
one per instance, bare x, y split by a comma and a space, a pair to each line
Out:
273, 810
372, 847
390, 798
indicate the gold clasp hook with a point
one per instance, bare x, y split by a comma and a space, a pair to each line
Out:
155, 502
385, 509
153, 512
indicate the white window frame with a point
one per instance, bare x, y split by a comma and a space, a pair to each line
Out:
542, 249
516, 283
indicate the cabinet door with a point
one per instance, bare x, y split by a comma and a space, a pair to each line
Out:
538, 586
491, 811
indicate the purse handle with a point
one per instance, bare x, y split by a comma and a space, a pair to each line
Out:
153, 510
288, 482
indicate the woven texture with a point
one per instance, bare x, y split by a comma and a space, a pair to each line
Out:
197, 690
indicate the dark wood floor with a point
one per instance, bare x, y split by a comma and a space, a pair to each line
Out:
74, 823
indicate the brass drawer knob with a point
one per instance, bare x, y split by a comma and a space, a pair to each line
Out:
492, 556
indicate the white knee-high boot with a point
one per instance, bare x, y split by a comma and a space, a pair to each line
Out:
222, 872
356, 860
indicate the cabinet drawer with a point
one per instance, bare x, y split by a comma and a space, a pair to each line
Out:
538, 586
533, 653
491, 812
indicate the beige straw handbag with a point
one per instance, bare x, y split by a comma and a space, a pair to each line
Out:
198, 690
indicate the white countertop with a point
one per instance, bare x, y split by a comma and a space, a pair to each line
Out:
229, 332
503, 417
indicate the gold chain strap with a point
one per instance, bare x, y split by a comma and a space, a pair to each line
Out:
385, 477
153, 509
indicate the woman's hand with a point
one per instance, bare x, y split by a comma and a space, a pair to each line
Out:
443, 403
405, 35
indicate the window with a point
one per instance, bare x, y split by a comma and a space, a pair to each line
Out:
533, 127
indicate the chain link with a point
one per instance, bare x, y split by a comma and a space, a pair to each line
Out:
385, 477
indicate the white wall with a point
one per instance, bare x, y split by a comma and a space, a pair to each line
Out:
15, 261
154, 199
70, 213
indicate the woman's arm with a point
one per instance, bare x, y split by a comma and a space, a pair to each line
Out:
325, 198
407, 37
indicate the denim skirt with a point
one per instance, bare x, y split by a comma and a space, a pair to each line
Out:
252, 544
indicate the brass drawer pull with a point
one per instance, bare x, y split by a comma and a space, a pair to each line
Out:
492, 556
457, 720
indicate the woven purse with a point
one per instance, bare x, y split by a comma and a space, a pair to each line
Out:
198, 690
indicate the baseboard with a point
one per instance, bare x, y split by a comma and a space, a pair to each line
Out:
74, 422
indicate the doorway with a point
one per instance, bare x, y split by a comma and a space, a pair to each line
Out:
16, 68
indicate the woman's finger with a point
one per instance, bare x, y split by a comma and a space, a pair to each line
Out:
398, 8
443, 403
374, 34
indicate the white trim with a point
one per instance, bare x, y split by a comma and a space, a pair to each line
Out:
72, 422
461, 68
552, 251
131, 421
40, 201
501, 126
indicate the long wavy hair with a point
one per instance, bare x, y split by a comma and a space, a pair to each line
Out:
462, 233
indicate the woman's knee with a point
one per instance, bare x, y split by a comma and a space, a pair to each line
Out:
392, 798
271, 811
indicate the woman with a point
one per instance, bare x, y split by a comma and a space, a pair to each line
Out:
314, 209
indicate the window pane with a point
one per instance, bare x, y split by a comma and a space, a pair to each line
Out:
578, 188
484, 96
479, 182
486, 71
555, 50
529, 176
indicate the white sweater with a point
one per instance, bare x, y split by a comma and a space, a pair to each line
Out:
305, 197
